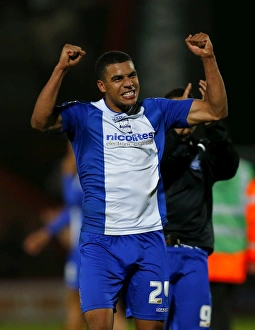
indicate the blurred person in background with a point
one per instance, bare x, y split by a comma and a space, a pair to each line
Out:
250, 216
71, 217
194, 159
229, 264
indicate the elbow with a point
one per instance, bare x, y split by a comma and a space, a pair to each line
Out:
35, 124
44, 124
222, 113
225, 111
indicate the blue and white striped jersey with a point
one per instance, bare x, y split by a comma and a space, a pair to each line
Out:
117, 158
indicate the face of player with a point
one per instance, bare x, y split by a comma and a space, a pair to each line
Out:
120, 86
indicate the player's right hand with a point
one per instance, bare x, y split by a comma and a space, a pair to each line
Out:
70, 56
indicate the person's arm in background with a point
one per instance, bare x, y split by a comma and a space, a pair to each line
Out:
214, 106
35, 242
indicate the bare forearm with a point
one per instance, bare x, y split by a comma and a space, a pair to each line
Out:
43, 116
216, 94
214, 105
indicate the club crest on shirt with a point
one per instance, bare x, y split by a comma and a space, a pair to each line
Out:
124, 126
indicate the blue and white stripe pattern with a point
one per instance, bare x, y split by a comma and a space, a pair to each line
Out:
118, 158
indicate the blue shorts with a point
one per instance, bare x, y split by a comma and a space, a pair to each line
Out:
71, 269
189, 289
137, 263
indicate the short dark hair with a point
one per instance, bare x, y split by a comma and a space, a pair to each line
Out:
177, 92
108, 58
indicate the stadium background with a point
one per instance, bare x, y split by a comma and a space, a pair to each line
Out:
32, 34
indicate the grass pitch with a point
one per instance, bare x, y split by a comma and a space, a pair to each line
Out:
240, 323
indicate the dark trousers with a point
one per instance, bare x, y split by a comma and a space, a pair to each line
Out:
222, 305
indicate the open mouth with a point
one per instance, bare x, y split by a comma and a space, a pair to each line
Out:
129, 94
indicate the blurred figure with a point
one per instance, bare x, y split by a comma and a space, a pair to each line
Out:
228, 264
70, 216
194, 159
250, 215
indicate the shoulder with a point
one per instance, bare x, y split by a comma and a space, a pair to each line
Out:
156, 100
77, 103
156, 103
75, 107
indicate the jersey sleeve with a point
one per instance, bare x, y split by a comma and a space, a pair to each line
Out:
175, 112
72, 113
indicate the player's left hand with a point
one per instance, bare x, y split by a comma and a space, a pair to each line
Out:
200, 44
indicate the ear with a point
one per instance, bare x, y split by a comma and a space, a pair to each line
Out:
101, 86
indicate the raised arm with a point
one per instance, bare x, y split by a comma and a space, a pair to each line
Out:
214, 105
45, 117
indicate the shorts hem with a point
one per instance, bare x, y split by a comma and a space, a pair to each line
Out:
149, 317
86, 309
